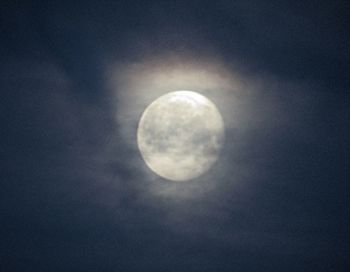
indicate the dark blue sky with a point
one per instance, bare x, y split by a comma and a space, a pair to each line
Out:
75, 195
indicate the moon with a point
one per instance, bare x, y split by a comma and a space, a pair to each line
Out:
180, 135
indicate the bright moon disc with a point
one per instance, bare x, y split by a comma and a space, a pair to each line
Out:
180, 135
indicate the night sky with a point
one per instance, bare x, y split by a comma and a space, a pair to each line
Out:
76, 195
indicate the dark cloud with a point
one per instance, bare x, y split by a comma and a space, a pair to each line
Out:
75, 193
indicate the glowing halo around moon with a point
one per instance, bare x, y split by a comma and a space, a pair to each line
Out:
180, 135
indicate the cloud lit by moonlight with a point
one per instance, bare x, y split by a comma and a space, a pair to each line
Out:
244, 101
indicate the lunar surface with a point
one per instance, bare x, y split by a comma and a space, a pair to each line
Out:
180, 135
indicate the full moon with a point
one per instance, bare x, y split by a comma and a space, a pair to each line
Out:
180, 135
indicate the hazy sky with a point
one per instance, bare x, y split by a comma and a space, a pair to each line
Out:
75, 193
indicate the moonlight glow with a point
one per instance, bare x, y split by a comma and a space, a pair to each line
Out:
180, 135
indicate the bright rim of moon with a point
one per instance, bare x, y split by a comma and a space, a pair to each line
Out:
180, 135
